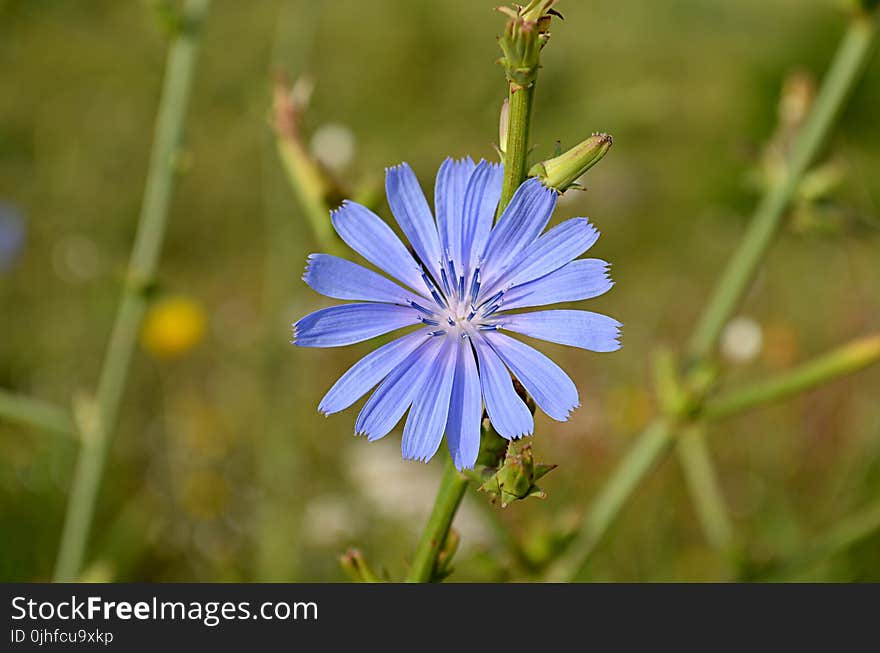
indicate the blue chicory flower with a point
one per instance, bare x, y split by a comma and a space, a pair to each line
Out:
462, 290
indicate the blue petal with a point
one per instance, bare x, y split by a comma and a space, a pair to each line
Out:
563, 243
411, 210
335, 277
519, 225
465, 409
509, 415
583, 329
478, 212
550, 387
394, 395
581, 279
349, 323
368, 371
368, 235
427, 417
452, 179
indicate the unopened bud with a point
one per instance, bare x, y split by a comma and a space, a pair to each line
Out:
515, 478
563, 171
525, 35
354, 564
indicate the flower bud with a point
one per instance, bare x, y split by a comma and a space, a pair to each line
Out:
354, 564
515, 478
563, 171
524, 36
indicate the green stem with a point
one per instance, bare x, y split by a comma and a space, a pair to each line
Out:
849, 61
639, 460
844, 360
142, 266
517, 142
449, 496
311, 188
453, 485
35, 412
705, 489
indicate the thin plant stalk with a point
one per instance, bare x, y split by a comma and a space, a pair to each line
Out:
517, 141
742, 268
843, 360
453, 485
705, 489
35, 412
849, 61
152, 223
639, 460
449, 496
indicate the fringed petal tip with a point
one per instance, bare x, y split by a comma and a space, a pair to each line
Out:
403, 165
310, 260
417, 458
571, 409
618, 334
342, 205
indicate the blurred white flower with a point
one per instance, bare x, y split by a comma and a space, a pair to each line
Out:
741, 340
400, 489
330, 519
334, 146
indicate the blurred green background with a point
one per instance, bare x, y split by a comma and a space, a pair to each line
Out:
221, 467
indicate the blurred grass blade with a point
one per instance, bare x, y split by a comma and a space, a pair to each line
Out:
152, 222
35, 412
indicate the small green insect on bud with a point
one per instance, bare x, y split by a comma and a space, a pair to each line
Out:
525, 34
561, 172
515, 478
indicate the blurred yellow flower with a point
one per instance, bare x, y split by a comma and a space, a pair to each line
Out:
172, 327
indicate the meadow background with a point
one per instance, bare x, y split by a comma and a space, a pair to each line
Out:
221, 468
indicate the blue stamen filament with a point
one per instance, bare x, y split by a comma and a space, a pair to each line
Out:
437, 298
445, 280
421, 308
475, 287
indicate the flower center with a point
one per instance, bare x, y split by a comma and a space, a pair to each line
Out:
457, 307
